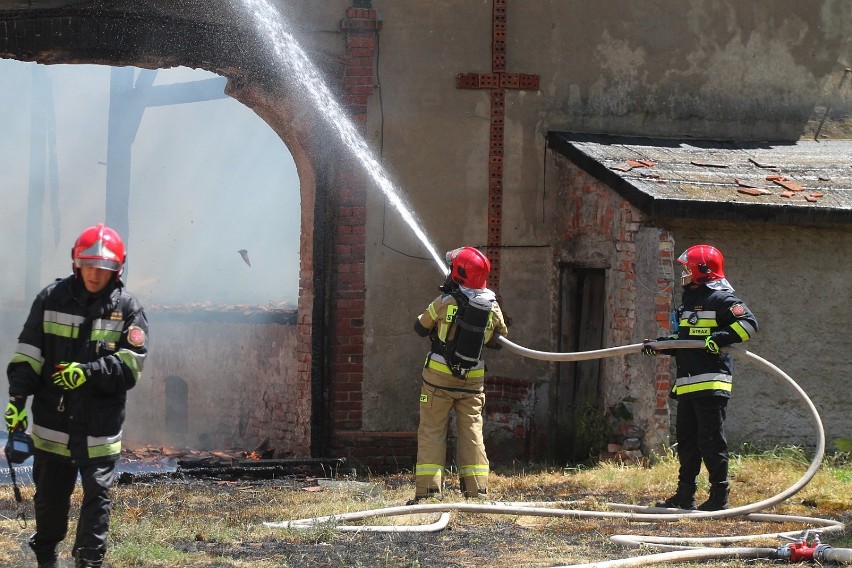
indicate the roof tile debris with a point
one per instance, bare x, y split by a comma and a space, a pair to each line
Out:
790, 181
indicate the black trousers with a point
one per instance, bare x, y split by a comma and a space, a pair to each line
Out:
54, 482
700, 433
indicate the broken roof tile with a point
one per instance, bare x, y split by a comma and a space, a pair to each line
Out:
788, 184
708, 192
753, 191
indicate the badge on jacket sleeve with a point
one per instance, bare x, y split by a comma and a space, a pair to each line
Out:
738, 310
136, 336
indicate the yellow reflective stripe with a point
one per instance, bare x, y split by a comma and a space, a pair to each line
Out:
704, 381
52, 441
477, 470
61, 324
443, 328
440, 367
133, 360
70, 320
740, 330
432, 312
36, 364
53, 328
52, 447
104, 446
30, 352
428, 469
106, 335
489, 329
710, 385
56, 442
444, 324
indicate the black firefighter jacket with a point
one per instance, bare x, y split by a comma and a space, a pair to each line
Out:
709, 311
109, 333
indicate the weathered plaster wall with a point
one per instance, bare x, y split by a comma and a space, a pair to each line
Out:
726, 69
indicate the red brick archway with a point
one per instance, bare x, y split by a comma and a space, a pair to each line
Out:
330, 322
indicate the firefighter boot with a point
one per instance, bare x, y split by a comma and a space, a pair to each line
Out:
45, 553
88, 558
433, 493
718, 499
472, 490
683, 499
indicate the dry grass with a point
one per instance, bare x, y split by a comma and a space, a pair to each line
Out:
207, 523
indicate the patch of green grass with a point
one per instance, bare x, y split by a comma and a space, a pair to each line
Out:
138, 554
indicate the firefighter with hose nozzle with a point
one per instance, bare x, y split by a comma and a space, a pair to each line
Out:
709, 311
459, 322
81, 349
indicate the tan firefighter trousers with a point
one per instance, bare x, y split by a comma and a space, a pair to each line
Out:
440, 394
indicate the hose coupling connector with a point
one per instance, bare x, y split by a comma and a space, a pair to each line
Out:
802, 548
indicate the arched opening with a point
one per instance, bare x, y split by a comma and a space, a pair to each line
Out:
212, 208
311, 412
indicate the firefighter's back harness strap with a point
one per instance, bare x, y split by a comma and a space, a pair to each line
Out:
452, 389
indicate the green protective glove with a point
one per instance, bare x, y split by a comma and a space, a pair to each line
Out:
648, 350
711, 346
69, 376
16, 417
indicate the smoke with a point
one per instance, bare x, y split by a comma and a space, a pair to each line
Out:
207, 179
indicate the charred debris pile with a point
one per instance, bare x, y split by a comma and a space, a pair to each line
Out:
164, 464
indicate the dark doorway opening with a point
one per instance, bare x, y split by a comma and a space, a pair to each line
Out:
576, 411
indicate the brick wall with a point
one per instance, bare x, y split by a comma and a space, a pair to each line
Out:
348, 286
597, 227
509, 412
662, 309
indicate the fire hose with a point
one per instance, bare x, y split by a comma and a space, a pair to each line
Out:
805, 544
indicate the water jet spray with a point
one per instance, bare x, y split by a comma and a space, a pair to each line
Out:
290, 54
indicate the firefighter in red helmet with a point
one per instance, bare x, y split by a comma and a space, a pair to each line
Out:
709, 311
81, 349
459, 322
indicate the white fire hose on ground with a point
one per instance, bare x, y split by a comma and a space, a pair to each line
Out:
805, 544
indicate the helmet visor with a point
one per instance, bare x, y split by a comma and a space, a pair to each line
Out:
451, 254
104, 263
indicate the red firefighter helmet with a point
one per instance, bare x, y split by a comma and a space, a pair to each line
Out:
468, 267
99, 247
702, 263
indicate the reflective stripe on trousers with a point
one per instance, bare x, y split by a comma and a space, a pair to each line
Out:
435, 406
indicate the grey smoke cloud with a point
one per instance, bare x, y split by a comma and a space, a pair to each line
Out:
207, 179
